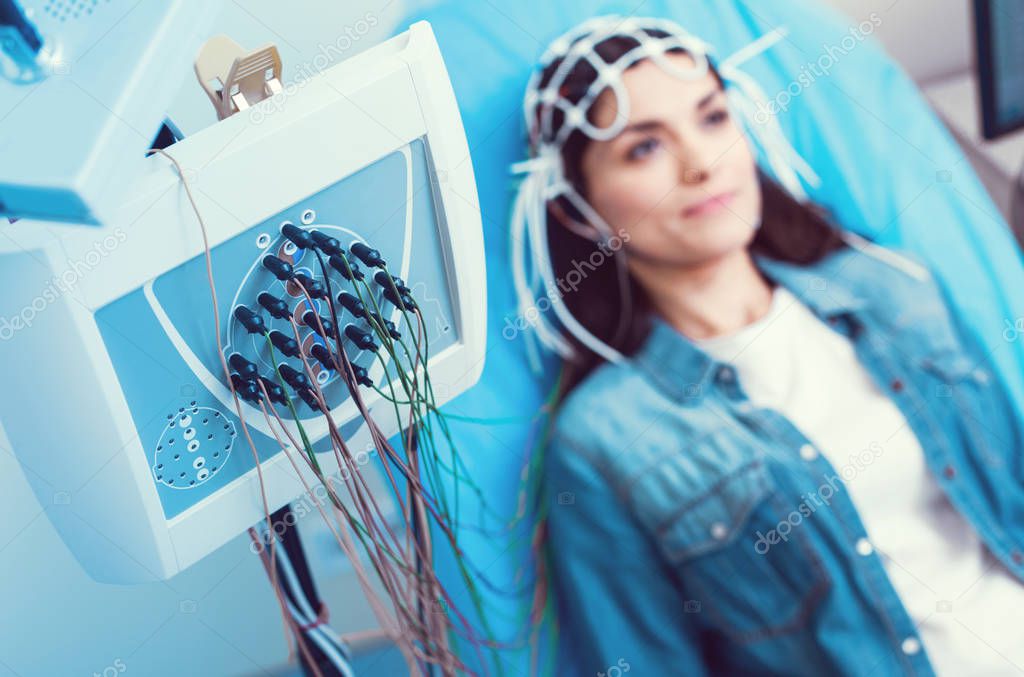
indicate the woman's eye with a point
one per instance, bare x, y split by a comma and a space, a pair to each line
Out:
717, 117
643, 149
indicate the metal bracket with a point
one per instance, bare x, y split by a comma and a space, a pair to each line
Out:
235, 79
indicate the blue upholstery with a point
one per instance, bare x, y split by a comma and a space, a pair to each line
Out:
889, 170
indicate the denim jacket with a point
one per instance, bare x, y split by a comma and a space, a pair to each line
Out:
668, 490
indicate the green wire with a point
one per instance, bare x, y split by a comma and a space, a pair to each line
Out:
424, 409
359, 528
385, 337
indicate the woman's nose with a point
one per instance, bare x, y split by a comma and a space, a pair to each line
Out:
694, 175
694, 165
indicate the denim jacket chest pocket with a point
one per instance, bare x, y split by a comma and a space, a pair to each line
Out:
745, 566
969, 392
958, 396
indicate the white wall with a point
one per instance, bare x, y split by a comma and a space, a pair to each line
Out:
930, 38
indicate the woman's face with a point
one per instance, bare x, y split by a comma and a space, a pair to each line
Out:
680, 178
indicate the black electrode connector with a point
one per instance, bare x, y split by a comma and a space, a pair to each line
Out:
252, 322
310, 320
315, 288
390, 285
360, 337
371, 257
274, 390
322, 355
387, 280
352, 304
246, 389
297, 236
293, 377
280, 268
309, 398
244, 367
388, 326
346, 266
288, 346
276, 307
400, 300
325, 243
362, 376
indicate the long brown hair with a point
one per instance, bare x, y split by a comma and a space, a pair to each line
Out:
790, 231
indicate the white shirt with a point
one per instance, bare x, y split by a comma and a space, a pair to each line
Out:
967, 606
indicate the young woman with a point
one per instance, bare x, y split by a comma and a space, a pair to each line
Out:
779, 453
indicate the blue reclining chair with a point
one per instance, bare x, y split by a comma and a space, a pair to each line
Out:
889, 170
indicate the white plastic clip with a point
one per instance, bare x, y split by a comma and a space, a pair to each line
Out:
235, 79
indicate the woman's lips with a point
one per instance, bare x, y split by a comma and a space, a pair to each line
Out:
709, 206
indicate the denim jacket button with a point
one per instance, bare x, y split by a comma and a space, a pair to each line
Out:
896, 385
808, 452
725, 374
864, 547
718, 531
910, 646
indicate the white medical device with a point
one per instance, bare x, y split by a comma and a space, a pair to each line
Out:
115, 401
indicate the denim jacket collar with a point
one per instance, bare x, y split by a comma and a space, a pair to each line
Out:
682, 369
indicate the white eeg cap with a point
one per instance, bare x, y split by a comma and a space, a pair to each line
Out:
545, 180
